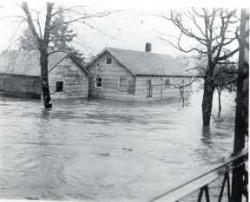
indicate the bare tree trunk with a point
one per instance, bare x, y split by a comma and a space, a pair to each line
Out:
181, 89
45, 79
42, 44
207, 101
219, 103
219, 100
182, 93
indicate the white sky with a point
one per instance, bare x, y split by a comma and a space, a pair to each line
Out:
130, 28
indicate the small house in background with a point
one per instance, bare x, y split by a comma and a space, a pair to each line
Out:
133, 75
67, 77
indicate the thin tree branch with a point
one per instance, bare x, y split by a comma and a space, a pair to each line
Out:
177, 22
39, 25
179, 47
98, 15
47, 24
30, 22
226, 56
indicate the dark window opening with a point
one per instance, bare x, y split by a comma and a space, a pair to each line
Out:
109, 60
98, 82
59, 86
167, 83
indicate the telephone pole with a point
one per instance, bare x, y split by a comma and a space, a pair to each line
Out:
239, 177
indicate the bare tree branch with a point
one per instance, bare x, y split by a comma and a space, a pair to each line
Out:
176, 19
226, 56
97, 15
48, 23
30, 22
179, 47
39, 25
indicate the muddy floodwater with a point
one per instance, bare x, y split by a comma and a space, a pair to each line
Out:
103, 150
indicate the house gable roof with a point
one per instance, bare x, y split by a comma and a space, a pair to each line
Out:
27, 62
145, 63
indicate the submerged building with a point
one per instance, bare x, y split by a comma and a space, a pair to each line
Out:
133, 75
20, 75
113, 74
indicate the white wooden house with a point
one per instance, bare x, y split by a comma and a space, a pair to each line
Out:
133, 75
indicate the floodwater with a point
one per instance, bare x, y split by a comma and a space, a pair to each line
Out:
103, 150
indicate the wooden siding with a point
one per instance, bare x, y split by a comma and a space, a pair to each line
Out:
110, 74
75, 81
160, 91
22, 86
136, 89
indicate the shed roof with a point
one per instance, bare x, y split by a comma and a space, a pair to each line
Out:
147, 63
27, 62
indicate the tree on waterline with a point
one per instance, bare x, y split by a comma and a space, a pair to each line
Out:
214, 31
224, 77
42, 42
42, 37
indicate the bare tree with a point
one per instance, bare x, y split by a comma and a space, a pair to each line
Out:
42, 38
214, 31
42, 42
224, 77
181, 86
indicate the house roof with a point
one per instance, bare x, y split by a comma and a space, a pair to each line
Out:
146, 63
27, 62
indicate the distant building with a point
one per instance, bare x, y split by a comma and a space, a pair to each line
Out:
133, 75
67, 77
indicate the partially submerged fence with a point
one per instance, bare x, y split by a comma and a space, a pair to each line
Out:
212, 185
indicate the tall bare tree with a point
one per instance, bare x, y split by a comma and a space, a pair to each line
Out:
213, 31
42, 34
42, 42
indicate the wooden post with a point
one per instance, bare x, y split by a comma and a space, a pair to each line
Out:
241, 116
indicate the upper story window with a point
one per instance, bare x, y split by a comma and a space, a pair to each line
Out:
109, 60
59, 86
98, 82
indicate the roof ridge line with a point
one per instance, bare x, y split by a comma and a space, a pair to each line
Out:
137, 51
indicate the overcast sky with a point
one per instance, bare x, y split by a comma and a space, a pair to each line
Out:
131, 26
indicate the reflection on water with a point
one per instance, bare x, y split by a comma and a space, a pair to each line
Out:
104, 150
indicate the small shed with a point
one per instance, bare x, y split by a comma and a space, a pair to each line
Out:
133, 75
67, 77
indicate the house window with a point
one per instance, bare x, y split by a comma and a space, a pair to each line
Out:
98, 82
59, 86
167, 83
109, 60
123, 82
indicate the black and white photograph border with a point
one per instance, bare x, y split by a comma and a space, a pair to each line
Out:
104, 100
